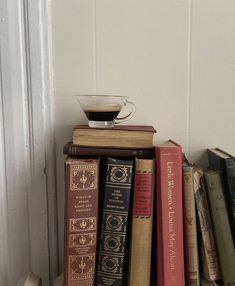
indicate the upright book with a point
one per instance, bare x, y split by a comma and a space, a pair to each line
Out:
113, 254
223, 235
191, 242
141, 237
210, 262
118, 136
81, 215
222, 161
169, 213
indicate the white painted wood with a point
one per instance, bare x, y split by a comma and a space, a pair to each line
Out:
212, 109
26, 145
74, 73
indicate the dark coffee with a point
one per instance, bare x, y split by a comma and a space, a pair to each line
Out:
102, 113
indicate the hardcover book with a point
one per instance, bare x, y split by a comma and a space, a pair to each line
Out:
112, 261
222, 161
76, 150
169, 213
141, 238
191, 243
222, 230
119, 136
210, 261
81, 215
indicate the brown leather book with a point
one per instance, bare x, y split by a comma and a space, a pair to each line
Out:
118, 136
75, 150
81, 216
142, 220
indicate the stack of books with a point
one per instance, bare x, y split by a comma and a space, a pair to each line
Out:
141, 215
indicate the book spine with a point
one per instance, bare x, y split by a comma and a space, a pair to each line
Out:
230, 176
220, 220
141, 240
81, 211
115, 218
191, 245
170, 243
210, 258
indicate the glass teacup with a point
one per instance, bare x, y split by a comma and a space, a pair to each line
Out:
102, 110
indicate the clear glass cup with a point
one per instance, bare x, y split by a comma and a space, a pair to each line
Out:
102, 110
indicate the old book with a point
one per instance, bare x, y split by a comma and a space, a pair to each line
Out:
141, 238
222, 161
205, 282
222, 230
81, 215
118, 136
169, 213
59, 280
209, 253
76, 150
191, 243
112, 261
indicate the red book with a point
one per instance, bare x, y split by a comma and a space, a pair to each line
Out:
81, 215
170, 244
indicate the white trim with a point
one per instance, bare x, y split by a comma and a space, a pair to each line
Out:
26, 144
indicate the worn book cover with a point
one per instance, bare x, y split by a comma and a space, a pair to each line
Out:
81, 216
209, 253
142, 219
191, 243
221, 226
169, 214
113, 251
222, 161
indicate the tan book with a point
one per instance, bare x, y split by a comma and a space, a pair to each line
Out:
59, 280
211, 264
141, 240
191, 244
118, 136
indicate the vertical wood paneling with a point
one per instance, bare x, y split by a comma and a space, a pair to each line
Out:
142, 51
74, 66
212, 108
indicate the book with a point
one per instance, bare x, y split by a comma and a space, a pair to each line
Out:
30, 279
142, 219
76, 150
169, 215
221, 226
210, 263
205, 282
81, 215
112, 262
191, 243
222, 161
119, 136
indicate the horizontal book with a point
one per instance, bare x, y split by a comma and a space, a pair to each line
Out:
76, 150
118, 136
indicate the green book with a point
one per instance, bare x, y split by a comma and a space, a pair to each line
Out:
222, 230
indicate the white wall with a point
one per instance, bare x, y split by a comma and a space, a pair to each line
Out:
175, 59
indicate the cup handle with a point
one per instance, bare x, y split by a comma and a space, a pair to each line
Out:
128, 116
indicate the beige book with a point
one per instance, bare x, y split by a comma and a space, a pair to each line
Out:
191, 244
59, 280
209, 253
30, 279
141, 240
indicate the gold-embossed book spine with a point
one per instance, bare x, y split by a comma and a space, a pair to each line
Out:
112, 261
81, 216
142, 220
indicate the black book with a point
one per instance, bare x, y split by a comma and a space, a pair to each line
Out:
222, 161
112, 261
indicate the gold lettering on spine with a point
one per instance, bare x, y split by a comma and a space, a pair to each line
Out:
171, 213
